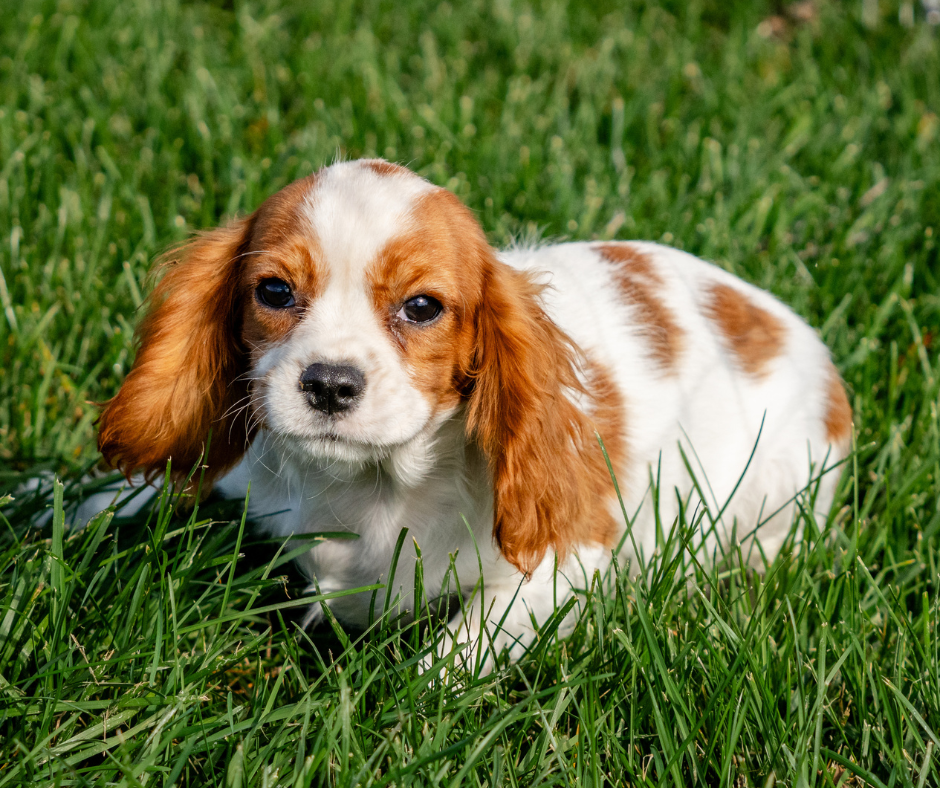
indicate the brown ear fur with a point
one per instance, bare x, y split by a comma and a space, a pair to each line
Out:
547, 468
187, 378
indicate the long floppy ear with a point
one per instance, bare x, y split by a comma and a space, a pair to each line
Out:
188, 377
544, 459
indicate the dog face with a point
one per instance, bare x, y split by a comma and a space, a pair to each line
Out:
357, 293
350, 315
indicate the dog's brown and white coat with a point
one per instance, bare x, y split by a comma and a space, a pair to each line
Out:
364, 358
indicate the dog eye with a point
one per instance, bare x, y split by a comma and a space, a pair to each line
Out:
420, 309
275, 293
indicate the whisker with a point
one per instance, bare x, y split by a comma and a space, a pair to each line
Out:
236, 407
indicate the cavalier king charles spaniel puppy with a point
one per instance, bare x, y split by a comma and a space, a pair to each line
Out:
364, 358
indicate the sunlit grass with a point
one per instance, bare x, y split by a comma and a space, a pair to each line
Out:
799, 150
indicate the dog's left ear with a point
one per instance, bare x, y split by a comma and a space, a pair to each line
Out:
543, 455
188, 377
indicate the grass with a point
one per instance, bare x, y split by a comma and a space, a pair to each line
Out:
802, 154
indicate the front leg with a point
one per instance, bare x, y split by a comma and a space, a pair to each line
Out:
506, 611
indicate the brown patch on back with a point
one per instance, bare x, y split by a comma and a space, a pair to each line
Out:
754, 335
640, 283
838, 416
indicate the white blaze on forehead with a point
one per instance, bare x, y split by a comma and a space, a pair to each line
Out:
356, 211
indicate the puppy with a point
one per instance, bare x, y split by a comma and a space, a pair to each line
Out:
369, 363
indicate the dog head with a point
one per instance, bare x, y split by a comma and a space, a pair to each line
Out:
352, 313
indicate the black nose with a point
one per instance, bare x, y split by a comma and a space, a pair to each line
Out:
333, 388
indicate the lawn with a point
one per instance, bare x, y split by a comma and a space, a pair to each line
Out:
797, 146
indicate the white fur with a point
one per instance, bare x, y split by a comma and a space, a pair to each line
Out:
392, 464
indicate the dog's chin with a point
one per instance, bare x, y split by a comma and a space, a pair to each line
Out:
405, 452
332, 447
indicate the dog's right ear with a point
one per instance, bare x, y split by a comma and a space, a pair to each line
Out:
189, 374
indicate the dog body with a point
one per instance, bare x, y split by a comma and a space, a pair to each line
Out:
368, 363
